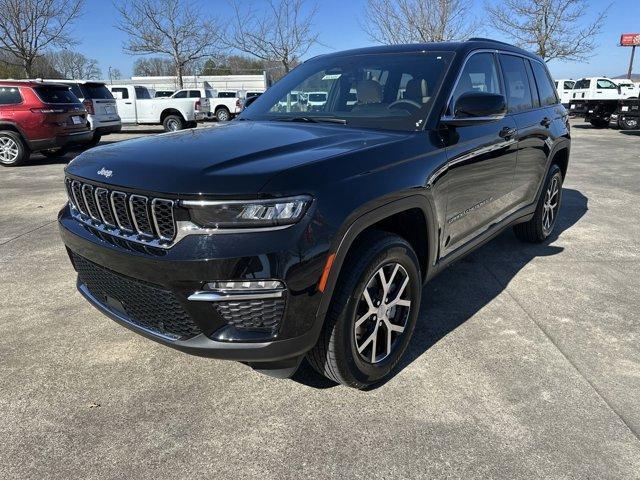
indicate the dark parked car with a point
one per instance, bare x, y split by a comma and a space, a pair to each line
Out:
39, 117
312, 234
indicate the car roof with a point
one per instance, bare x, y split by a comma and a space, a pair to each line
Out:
458, 47
29, 83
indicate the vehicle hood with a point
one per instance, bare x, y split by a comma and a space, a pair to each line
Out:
236, 158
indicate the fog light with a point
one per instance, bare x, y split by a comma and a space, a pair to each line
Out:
244, 285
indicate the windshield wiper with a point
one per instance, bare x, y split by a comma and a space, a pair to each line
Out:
341, 121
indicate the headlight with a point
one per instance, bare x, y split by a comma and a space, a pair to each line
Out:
247, 214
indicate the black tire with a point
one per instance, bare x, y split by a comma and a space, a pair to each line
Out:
629, 123
54, 152
599, 122
13, 150
173, 123
535, 231
336, 355
223, 115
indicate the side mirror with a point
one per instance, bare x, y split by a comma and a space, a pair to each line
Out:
477, 107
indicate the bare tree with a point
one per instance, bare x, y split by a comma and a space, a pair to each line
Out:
282, 32
153, 67
417, 21
176, 28
29, 28
554, 29
74, 65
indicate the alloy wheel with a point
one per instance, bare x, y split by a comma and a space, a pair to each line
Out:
173, 125
551, 204
9, 150
382, 313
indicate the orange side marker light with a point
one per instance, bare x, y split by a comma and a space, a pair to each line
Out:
325, 273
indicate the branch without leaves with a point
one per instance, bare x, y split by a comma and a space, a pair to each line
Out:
283, 32
417, 21
29, 28
74, 65
175, 28
553, 29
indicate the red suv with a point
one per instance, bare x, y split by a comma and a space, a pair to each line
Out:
39, 117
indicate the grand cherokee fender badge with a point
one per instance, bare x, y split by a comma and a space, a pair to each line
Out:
478, 205
105, 173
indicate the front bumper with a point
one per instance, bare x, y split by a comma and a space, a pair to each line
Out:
183, 269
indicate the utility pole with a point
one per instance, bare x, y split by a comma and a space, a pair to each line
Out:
633, 52
110, 79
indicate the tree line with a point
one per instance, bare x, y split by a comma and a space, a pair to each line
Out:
180, 37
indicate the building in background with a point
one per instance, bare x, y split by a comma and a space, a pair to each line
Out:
254, 83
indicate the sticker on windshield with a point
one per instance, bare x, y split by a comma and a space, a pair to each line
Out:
332, 76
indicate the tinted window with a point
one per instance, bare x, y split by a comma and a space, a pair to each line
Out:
142, 93
535, 99
479, 74
516, 83
10, 96
569, 85
96, 91
317, 97
75, 88
226, 94
181, 94
548, 94
163, 93
194, 94
210, 93
124, 93
603, 83
584, 83
56, 94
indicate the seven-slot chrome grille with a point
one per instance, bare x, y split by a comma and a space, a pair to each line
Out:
132, 216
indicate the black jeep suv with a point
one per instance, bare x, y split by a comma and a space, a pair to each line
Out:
292, 233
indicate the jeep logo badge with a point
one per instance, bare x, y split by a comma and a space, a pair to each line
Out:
105, 173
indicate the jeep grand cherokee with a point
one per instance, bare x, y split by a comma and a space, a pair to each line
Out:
291, 233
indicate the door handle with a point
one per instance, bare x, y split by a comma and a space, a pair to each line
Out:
545, 122
507, 132
127, 103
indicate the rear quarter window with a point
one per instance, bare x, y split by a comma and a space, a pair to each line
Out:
226, 94
10, 95
97, 91
56, 94
546, 90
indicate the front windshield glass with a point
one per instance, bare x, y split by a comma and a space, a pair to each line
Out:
386, 91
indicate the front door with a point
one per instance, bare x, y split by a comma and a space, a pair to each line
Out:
481, 161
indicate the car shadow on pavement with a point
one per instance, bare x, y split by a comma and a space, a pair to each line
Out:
459, 292
633, 133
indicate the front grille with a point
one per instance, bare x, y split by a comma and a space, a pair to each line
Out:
123, 213
262, 315
146, 305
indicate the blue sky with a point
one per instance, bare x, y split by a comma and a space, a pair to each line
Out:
338, 22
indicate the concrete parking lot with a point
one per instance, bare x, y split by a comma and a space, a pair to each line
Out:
525, 362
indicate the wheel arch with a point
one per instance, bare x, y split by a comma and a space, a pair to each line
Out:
411, 218
170, 111
14, 128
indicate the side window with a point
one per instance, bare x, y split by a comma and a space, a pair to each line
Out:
535, 95
10, 96
604, 83
181, 94
516, 83
548, 95
142, 93
569, 85
194, 94
479, 74
123, 93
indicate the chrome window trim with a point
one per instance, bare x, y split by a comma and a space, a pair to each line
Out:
104, 219
155, 219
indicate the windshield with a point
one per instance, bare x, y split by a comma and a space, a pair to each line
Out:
386, 91
56, 94
96, 91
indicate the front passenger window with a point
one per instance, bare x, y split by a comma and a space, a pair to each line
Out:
479, 74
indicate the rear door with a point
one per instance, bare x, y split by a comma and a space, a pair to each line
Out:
532, 121
481, 160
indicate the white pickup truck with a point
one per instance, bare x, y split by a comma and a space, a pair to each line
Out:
137, 106
597, 98
224, 105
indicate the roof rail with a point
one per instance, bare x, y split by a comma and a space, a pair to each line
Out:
482, 39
